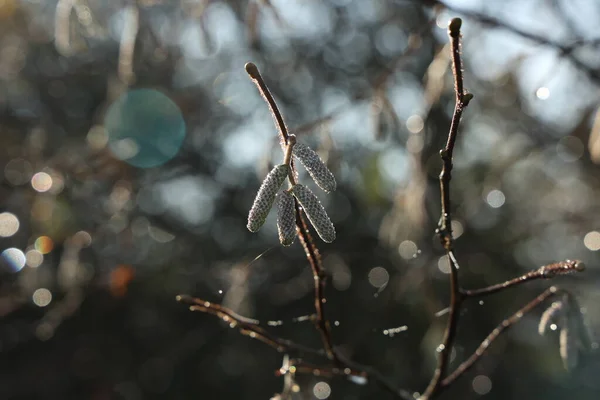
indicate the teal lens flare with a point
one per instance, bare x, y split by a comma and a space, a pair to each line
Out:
145, 128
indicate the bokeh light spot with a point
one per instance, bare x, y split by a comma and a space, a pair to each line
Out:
14, 258
18, 171
44, 331
97, 137
44, 244
378, 277
495, 198
322, 390
542, 93
592, 240
145, 128
415, 124
9, 224
457, 228
42, 297
443, 264
407, 249
34, 258
482, 384
41, 182
83, 238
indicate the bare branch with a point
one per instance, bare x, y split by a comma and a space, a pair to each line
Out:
247, 326
254, 74
565, 50
544, 272
504, 325
445, 226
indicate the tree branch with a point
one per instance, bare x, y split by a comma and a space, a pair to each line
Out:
444, 230
504, 325
247, 326
544, 272
564, 49
310, 249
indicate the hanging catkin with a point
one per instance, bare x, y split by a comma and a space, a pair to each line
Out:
315, 212
315, 167
286, 218
266, 196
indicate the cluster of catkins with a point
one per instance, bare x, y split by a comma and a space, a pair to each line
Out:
286, 216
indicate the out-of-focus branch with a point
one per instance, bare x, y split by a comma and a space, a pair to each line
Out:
504, 325
127, 44
62, 26
566, 50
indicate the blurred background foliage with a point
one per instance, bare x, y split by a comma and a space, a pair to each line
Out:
132, 144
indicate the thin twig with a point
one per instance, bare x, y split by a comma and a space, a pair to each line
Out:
319, 275
127, 43
545, 272
504, 325
565, 50
445, 226
254, 74
251, 327
247, 326
62, 26
310, 249
359, 373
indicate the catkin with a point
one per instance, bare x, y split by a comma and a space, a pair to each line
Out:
315, 167
286, 218
569, 353
315, 212
550, 315
266, 196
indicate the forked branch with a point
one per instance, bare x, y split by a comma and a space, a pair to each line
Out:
444, 230
441, 379
336, 364
312, 252
504, 325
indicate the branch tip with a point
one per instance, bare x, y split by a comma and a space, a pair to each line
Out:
252, 70
454, 27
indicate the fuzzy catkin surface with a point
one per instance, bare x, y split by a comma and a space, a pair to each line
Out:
286, 218
315, 212
266, 196
317, 170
